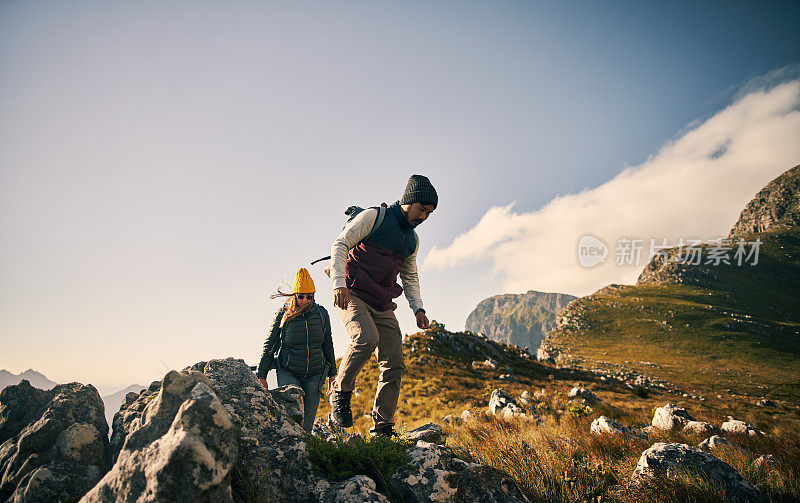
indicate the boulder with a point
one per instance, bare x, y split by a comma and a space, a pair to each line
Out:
583, 393
676, 461
181, 448
322, 430
700, 427
501, 404
671, 416
52, 442
604, 425
434, 475
765, 461
736, 427
714, 442
430, 432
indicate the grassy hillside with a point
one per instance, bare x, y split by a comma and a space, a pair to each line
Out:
552, 455
741, 338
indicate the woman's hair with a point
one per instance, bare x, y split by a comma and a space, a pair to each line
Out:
291, 309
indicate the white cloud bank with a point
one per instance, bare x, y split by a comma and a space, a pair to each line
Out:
694, 187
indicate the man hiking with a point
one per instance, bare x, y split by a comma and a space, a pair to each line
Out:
364, 267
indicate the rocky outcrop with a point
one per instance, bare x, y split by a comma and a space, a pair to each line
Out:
714, 442
430, 432
675, 266
776, 205
212, 433
671, 416
604, 425
434, 475
179, 446
699, 427
737, 427
52, 442
587, 395
501, 404
675, 461
518, 319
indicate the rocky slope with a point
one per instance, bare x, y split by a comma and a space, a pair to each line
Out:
776, 205
725, 329
52, 442
210, 433
519, 319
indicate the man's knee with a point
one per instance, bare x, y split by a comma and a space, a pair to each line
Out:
362, 337
392, 374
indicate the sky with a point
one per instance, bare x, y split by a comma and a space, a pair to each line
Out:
164, 166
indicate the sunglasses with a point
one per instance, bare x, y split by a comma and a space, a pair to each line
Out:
301, 296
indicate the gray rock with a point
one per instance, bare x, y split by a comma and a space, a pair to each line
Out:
674, 461
714, 442
430, 432
604, 425
435, 476
736, 427
776, 205
501, 404
359, 488
181, 448
671, 416
700, 427
765, 461
52, 442
322, 429
583, 393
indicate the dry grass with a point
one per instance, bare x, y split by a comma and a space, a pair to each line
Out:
556, 458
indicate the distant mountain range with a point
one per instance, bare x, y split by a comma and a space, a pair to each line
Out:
519, 319
36, 379
725, 328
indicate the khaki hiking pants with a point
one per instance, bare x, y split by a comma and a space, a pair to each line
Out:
369, 329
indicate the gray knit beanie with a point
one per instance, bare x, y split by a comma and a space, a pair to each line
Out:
420, 190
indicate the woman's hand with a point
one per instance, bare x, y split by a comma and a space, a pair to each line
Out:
263, 382
331, 380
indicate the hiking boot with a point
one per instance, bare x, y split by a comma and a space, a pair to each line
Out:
341, 415
386, 430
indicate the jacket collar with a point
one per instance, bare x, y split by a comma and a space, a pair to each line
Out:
397, 211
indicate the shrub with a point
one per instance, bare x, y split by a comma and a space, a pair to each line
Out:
340, 460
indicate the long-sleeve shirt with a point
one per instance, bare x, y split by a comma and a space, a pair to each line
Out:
356, 230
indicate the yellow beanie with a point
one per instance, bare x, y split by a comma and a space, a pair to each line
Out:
303, 282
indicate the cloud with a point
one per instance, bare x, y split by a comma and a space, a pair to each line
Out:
693, 187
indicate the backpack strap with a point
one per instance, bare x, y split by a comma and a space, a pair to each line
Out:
378, 222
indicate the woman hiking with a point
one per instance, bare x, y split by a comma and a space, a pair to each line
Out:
301, 337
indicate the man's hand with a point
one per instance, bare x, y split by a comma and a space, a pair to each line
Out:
341, 297
263, 382
422, 320
331, 380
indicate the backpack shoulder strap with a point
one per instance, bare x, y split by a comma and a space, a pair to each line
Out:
378, 221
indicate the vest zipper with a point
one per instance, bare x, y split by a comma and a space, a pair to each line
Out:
308, 351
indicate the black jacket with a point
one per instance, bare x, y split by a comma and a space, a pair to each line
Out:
305, 343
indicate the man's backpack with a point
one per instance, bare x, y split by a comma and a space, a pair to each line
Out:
351, 213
